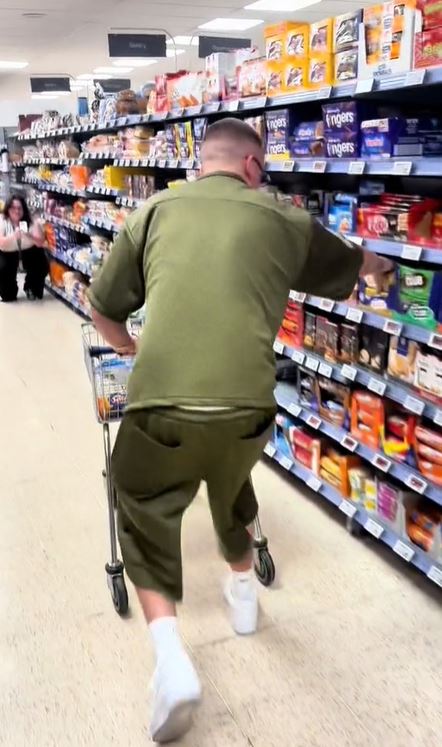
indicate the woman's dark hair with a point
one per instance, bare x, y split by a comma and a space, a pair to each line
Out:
22, 201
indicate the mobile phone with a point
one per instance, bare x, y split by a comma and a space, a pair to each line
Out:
23, 226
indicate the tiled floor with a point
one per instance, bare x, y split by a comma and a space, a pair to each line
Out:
349, 651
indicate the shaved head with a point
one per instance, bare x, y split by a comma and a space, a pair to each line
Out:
233, 146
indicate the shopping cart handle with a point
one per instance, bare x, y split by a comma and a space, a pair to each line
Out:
95, 351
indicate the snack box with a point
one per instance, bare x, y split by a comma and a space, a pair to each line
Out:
296, 74
277, 38
428, 373
343, 117
279, 124
431, 13
297, 41
346, 65
321, 38
252, 78
346, 30
275, 78
402, 359
428, 48
309, 131
416, 296
314, 148
321, 70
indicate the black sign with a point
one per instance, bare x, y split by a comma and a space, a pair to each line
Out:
210, 44
49, 85
137, 45
114, 85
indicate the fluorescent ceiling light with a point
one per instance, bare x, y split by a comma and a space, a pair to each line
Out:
111, 70
230, 24
89, 76
172, 52
12, 65
134, 62
281, 6
184, 41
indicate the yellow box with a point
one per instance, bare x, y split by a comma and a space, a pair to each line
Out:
321, 71
297, 41
321, 38
275, 78
296, 72
275, 39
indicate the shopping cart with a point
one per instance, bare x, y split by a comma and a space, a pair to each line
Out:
108, 374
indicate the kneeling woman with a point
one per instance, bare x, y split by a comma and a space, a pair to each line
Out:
21, 238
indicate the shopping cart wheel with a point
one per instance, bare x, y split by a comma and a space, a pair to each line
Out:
117, 586
265, 567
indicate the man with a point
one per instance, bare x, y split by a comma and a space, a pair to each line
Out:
215, 261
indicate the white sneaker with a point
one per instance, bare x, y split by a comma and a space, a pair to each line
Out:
176, 695
241, 595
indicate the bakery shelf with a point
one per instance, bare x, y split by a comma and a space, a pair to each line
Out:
383, 386
417, 557
361, 315
286, 398
74, 305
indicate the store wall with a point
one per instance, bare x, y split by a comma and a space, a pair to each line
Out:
11, 108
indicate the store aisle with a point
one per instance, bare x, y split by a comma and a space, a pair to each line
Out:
349, 648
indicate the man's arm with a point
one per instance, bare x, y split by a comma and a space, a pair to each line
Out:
334, 264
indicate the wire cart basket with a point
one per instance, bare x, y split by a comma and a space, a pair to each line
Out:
108, 374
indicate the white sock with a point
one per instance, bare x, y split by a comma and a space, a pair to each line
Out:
243, 584
166, 638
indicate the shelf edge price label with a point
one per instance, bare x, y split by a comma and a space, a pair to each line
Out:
325, 370
348, 509
145, 162
297, 297
416, 483
162, 163
382, 463
403, 550
410, 251
415, 77
232, 106
402, 168
435, 341
364, 86
314, 422
288, 166
324, 92
435, 574
298, 357
326, 304
294, 409
270, 450
354, 315
349, 443
376, 386
173, 164
152, 162
356, 168
314, 483
414, 405
278, 347
373, 528
438, 417
392, 328
212, 107
286, 463
349, 372
312, 363
187, 163
319, 167
358, 240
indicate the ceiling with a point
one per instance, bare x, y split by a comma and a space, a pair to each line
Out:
71, 37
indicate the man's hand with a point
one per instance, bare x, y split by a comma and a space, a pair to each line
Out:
115, 334
377, 268
130, 349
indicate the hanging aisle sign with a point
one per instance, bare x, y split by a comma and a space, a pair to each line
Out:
49, 85
113, 85
137, 45
212, 44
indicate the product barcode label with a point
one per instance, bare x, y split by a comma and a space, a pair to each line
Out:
232, 106
392, 327
212, 107
286, 463
312, 363
438, 417
325, 370
177, 113
435, 574
349, 443
314, 483
416, 483
382, 463
298, 357
270, 450
356, 167
348, 509
298, 297
278, 347
188, 163
162, 163
192, 111
372, 527
136, 162
376, 386
415, 77
145, 162
319, 167
288, 166
402, 168
354, 315
364, 86
324, 92
314, 422
403, 550
350, 372
326, 304
414, 405
435, 341
173, 164
152, 162
294, 409
410, 251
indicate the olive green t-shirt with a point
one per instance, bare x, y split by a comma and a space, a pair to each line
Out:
214, 261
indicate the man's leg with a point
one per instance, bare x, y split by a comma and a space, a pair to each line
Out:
156, 481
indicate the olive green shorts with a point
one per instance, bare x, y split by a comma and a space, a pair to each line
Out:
159, 460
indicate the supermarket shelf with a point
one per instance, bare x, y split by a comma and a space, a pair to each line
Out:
399, 250
106, 225
67, 260
392, 167
362, 316
286, 397
47, 187
40, 161
371, 523
74, 305
383, 386
96, 193
78, 227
